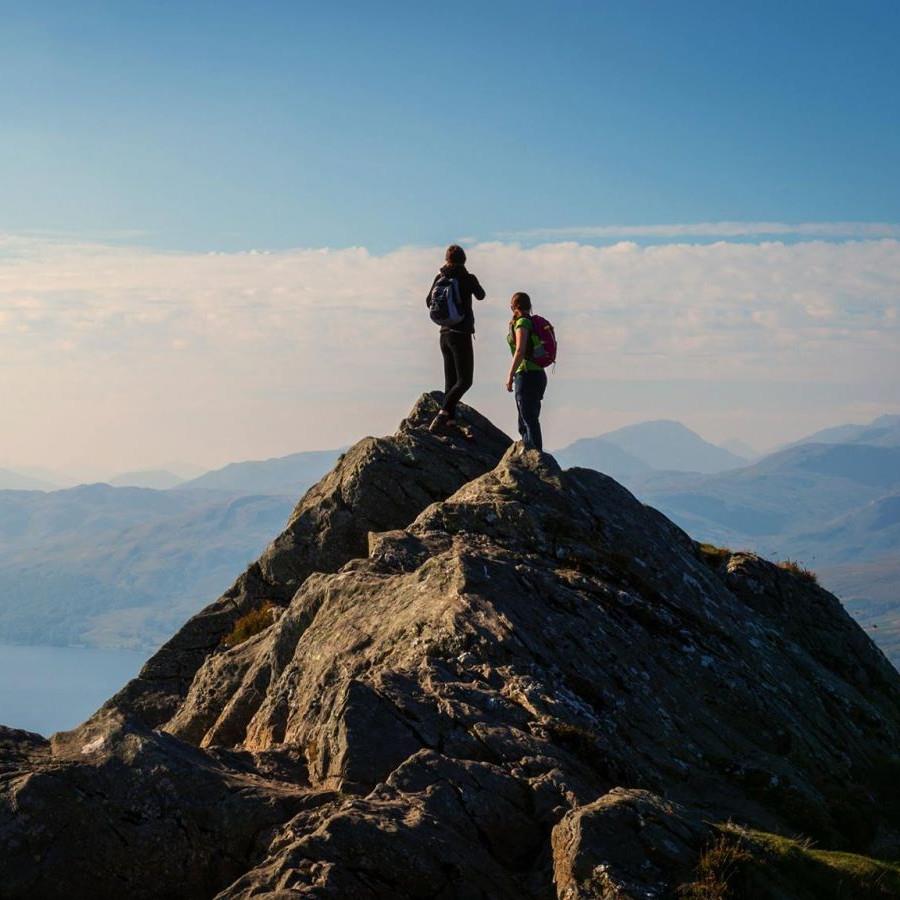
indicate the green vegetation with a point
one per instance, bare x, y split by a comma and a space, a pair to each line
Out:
753, 865
252, 623
792, 566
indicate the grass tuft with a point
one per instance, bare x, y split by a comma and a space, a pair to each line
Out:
712, 555
794, 567
250, 624
716, 869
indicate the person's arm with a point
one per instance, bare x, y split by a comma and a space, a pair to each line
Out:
428, 295
523, 332
477, 289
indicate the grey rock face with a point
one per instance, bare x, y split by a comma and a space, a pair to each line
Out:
627, 844
125, 811
506, 694
379, 484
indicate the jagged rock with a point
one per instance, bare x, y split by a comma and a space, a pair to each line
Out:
628, 845
120, 810
377, 485
21, 748
438, 828
441, 703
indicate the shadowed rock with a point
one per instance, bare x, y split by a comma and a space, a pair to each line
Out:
506, 695
654, 843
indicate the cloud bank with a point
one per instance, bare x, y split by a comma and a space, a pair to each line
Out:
126, 356
861, 230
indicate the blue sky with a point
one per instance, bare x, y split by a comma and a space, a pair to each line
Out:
230, 125
703, 197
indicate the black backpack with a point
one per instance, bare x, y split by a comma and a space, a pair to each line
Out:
444, 302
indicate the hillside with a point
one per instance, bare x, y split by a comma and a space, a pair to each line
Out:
658, 445
604, 456
789, 491
291, 474
870, 591
158, 479
866, 533
474, 674
881, 432
103, 566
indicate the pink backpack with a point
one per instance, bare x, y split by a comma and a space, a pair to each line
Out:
544, 353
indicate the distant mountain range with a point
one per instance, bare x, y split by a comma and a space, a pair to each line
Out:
11, 480
637, 450
881, 432
787, 507
285, 475
290, 475
629, 454
117, 566
741, 449
788, 492
157, 479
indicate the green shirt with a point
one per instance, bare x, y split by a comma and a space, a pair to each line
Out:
526, 365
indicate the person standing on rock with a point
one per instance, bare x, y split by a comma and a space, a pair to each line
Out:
527, 343
456, 337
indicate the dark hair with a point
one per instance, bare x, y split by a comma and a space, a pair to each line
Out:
522, 301
455, 255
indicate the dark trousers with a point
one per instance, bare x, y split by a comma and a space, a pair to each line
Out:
530, 387
459, 366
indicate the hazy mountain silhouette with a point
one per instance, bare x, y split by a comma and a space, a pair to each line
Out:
158, 479
881, 432
869, 591
106, 566
741, 448
660, 445
604, 456
10, 480
291, 474
871, 531
794, 489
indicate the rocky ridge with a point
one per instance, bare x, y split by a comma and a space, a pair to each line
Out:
487, 677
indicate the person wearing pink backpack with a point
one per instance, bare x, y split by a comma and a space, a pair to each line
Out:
532, 343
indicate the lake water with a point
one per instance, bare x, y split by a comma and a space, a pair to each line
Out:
47, 689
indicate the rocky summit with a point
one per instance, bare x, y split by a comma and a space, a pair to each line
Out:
472, 675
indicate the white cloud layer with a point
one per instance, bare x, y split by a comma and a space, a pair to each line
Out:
861, 230
125, 357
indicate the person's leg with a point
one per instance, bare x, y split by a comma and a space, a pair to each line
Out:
464, 363
450, 379
538, 386
450, 375
530, 388
523, 427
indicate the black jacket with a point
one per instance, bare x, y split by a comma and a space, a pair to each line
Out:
468, 286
